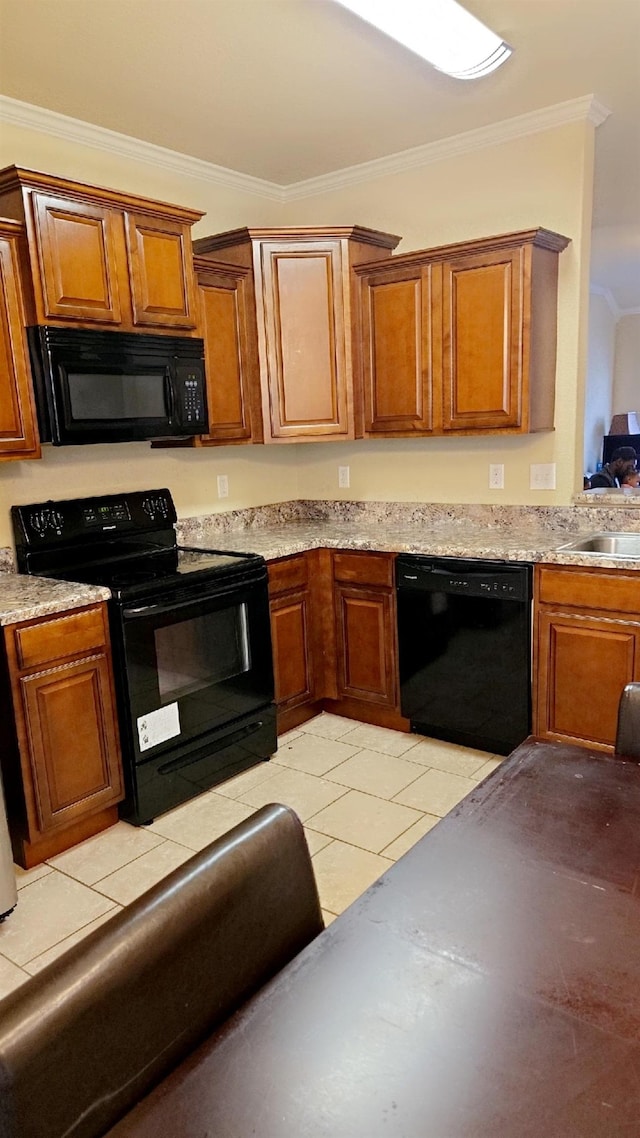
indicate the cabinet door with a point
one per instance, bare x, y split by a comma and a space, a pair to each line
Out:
301, 323
398, 351
366, 637
230, 356
18, 437
482, 340
72, 741
161, 272
77, 258
292, 654
583, 665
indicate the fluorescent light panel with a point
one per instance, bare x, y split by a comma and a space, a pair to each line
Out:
441, 31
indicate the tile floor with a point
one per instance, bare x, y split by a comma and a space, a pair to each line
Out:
365, 795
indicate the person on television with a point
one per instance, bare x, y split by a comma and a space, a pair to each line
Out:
623, 462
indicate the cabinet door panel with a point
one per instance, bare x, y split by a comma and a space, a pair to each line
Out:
223, 328
161, 272
482, 341
366, 635
18, 438
292, 660
398, 353
73, 748
76, 247
304, 342
583, 665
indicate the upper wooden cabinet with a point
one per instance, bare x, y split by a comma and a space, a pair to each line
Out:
227, 322
102, 258
462, 338
18, 433
304, 304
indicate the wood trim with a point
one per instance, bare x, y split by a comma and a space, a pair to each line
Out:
542, 238
13, 177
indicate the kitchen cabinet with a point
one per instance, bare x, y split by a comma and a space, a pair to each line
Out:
18, 431
61, 759
587, 647
366, 633
100, 258
305, 316
293, 638
227, 322
462, 338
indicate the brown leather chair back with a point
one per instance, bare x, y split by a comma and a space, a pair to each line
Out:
88, 1036
628, 733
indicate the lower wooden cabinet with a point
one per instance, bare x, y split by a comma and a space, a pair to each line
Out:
333, 627
61, 764
587, 648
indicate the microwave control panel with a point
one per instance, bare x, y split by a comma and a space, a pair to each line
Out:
193, 411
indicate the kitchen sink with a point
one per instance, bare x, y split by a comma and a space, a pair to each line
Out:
615, 544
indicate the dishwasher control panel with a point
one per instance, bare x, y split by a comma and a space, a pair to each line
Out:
499, 579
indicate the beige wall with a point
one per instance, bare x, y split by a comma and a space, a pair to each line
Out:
626, 371
542, 180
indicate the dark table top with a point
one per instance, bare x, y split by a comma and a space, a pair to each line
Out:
487, 986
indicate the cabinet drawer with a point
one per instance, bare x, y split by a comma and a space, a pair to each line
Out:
290, 573
606, 592
39, 644
363, 568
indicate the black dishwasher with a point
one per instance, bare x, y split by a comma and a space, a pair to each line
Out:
464, 631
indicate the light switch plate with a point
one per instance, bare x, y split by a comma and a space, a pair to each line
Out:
344, 480
223, 486
542, 476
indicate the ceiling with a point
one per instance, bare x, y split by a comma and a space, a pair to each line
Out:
286, 90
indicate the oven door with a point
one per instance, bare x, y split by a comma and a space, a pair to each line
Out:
193, 667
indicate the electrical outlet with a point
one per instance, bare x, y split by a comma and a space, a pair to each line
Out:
344, 480
223, 486
496, 476
542, 476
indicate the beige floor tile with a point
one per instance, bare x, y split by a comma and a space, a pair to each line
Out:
135, 878
328, 917
343, 872
316, 841
39, 962
12, 977
448, 757
302, 792
329, 726
314, 754
97, 857
436, 792
404, 843
487, 768
289, 736
234, 787
380, 739
26, 876
200, 821
382, 775
50, 909
365, 821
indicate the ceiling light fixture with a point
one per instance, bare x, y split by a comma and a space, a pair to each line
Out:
441, 31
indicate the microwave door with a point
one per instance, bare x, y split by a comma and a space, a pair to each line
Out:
104, 403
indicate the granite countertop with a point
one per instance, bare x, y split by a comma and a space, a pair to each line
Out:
24, 598
454, 540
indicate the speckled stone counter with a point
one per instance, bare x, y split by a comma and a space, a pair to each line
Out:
23, 598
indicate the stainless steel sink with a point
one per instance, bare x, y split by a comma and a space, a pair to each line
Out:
615, 544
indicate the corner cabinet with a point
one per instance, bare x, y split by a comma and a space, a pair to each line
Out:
61, 763
461, 338
587, 648
18, 431
100, 258
304, 305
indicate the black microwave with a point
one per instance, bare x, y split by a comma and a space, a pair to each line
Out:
103, 387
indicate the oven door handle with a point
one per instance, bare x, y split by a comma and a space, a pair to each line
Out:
175, 607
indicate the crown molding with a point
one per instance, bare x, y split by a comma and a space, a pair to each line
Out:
87, 134
584, 109
606, 293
